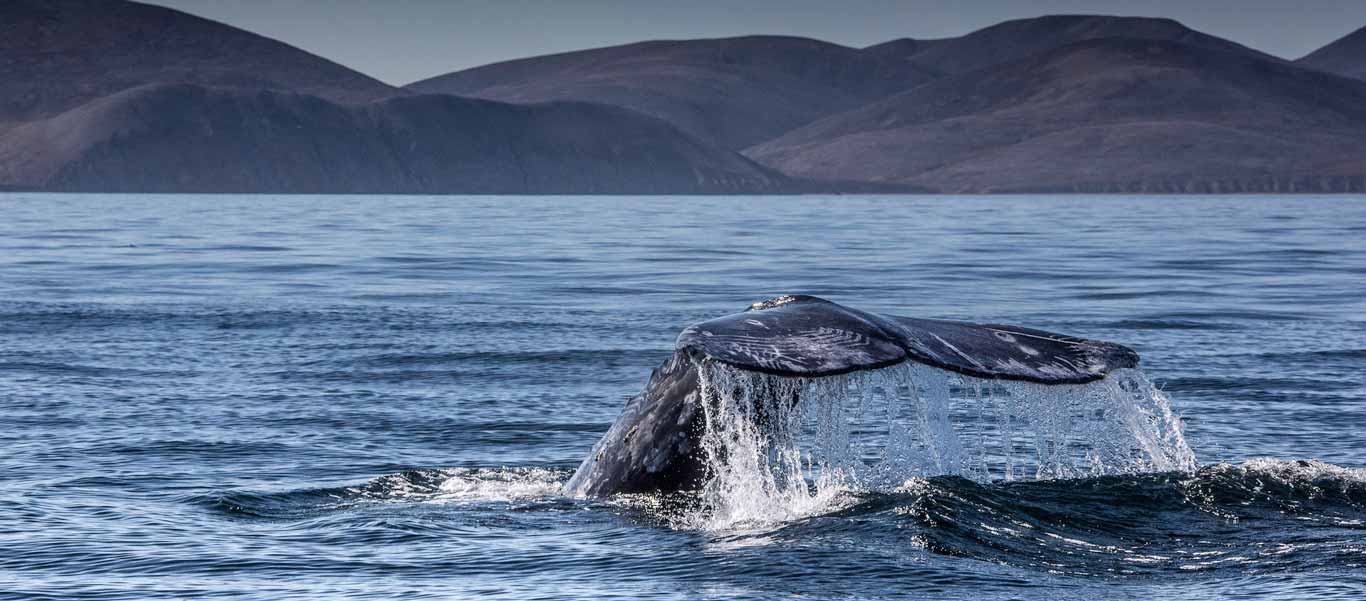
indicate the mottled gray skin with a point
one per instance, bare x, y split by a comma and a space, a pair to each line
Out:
654, 445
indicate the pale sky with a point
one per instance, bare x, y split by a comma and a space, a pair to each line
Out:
402, 41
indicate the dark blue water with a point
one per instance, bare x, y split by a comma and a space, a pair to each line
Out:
379, 397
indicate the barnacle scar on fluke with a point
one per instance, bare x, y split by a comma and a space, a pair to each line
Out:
789, 389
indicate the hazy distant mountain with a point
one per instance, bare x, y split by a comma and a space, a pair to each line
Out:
58, 54
1014, 40
186, 138
1113, 114
735, 91
108, 95
104, 95
1346, 56
745, 91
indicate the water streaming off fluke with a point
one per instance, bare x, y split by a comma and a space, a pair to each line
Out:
777, 448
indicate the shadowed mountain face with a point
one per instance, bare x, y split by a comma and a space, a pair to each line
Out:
735, 91
1112, 114
1346, 56
1013, 40
186, 138
58, 54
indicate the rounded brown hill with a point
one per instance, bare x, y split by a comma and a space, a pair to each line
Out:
735, 91
1013, 40
1116, 114
58, 54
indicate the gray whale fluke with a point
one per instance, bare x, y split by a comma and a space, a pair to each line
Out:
653, 446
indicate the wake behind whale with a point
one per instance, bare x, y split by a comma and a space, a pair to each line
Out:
770, 413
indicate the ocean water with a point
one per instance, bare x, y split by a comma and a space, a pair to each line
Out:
294, 397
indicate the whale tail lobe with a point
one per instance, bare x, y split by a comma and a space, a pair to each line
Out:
806, 336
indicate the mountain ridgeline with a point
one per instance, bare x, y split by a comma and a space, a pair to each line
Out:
737, 92
1346, 57
1162, 117
116, 96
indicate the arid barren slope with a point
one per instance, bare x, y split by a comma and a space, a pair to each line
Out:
1013, 40
734, 91
59, 54
105, 96
116, 96
186, 138
1111, 114
1345, 56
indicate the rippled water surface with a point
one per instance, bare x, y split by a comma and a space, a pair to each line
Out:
380, 397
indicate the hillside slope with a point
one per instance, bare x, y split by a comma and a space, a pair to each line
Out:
1014, 40
187, 138
1113, 114
56, 55
107, 95
734, 91
1345, 56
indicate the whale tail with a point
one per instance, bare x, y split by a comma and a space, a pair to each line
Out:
806, 336
667, 436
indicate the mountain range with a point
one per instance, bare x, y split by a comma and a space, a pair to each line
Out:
736, 91
116, 96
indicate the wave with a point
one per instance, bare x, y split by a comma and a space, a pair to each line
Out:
1259, 515
462, 486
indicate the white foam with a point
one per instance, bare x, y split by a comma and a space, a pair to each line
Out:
503, 485
1295, 472
467, 486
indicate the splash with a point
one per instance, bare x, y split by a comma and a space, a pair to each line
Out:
779, 448
464, 486
1291, 487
